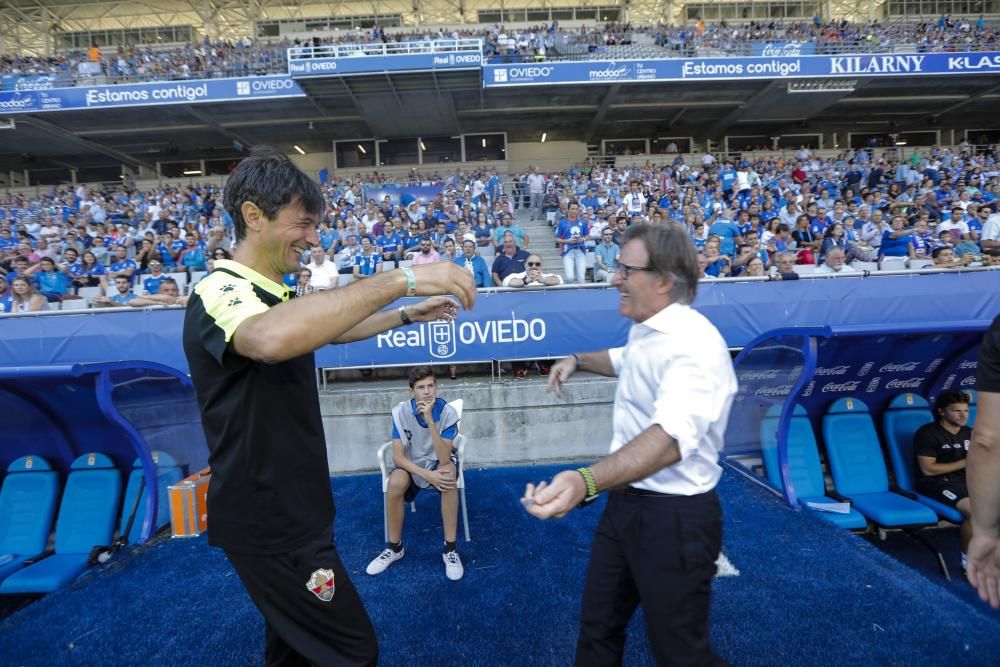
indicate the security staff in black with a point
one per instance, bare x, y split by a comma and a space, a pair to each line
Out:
250, 353
941, 448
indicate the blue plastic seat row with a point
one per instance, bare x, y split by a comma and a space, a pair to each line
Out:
87, 517
856, 462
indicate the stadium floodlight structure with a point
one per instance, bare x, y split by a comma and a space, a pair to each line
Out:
823, 86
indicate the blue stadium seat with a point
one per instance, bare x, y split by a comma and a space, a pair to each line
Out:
167, 473
803, 463
858, 469
27, 506
906, 413
86, 519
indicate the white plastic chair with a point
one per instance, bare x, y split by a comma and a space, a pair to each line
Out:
384, 458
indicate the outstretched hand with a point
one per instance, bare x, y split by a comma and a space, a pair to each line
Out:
556, 499
434, 308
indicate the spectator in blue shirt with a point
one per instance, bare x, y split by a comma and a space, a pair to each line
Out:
572, 233
193, 256
123, 294
121, 266
6, 296
51, 280
474, 264
729, 234
151, 282
369, 262
606, 257
896, 242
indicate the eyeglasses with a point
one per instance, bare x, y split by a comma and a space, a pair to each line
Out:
538, 264
624, 270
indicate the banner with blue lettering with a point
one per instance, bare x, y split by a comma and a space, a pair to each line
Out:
723, 69
784, 49
27, 82
402, 194
408, 62
191, 91
544, 323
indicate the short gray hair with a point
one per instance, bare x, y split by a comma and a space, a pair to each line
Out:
671, 255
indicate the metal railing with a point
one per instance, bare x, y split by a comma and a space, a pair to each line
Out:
385, 49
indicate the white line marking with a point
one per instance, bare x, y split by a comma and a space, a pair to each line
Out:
725, 567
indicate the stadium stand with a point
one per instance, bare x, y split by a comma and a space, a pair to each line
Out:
730, 204
214, 58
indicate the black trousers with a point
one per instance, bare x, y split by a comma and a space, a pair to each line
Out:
659, 551
300, 628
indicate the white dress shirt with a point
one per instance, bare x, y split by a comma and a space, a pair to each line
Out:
676, 372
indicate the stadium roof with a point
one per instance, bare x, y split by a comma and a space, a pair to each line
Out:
385, 106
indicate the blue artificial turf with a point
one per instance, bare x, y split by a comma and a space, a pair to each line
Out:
808, 594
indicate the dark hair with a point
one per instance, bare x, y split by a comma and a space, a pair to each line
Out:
418, 373
937, 251
948, 399
671, 254
270, 180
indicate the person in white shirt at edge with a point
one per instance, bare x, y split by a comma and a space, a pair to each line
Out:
324, 274
661, 531
834, 263
532, 275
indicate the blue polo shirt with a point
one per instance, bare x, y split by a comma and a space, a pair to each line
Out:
897, 247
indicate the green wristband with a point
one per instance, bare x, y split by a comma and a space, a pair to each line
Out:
588, 477
411, 281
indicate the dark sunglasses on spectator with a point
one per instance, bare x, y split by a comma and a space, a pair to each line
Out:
532, 263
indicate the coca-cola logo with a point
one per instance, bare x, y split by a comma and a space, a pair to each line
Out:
968, 365
950, 380
781, 50
747, 376
873, 384
777, 390
851, 385
908, 367
864, 370
968, 382
833, 370
910, 383
809, 389
931, 367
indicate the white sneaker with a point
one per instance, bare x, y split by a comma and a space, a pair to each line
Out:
384, 560
453, 565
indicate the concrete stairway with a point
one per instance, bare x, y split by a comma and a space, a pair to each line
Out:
540, 241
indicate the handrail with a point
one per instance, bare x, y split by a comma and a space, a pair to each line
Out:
574, 286
384, 49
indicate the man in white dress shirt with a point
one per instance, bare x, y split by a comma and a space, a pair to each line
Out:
661, 532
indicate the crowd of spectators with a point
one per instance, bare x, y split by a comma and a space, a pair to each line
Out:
945, 34
211, 58
770, 217
932, 207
